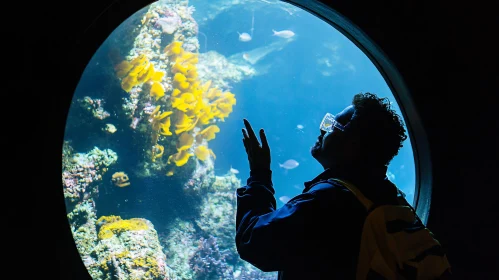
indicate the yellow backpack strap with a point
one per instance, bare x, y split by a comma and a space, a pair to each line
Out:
364, 200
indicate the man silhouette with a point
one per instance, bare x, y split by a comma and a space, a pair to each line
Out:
316, 234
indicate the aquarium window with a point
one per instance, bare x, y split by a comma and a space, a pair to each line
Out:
152, 151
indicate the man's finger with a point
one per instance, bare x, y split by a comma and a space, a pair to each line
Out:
251, 133
245, 134
247, 145
263, 137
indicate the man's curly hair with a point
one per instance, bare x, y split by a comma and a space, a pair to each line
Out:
379, 128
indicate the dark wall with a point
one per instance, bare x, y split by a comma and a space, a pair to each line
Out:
443, 50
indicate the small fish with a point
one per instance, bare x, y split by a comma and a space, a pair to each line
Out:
244, 37
284, 199
110, 128
283, 33
233, 170
289, 164
287, 11
300, 127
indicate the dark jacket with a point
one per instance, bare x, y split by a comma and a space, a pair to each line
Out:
316, 235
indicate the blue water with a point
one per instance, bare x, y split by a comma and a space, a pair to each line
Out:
294, 92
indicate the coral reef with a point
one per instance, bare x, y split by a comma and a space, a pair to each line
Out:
204, 247
127, 249
179, 245
82, 221
167, 103
95, 106
172, 102
218, 210
209, 262
110, 247
80, 171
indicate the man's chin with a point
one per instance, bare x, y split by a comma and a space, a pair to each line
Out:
315, 151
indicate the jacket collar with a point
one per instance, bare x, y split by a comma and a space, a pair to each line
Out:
357, 175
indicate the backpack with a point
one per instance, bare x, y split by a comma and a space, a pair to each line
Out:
395, 244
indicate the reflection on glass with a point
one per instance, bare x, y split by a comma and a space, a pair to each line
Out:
153, 154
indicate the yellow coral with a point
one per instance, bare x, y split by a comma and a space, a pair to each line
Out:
174, 48
186, 101
180, 81
156, 118
110, 229
191, 73
157, 152
205, 115
202, 153
123, 68
154, 112
187, 58
209, 132
179, 158
213, 93
136, 72
176, 92
164, 128
145, 74
206, 86
184, 141
196, 104
107, 219
222, 107
177, 67
140, 59
157, 91
128, 83
184, 123
157, 76
150, 265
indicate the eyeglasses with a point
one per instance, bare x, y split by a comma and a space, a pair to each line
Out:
328, 122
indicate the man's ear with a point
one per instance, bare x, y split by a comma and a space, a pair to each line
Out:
354, 144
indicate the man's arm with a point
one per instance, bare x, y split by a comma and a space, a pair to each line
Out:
274, 239
256, 198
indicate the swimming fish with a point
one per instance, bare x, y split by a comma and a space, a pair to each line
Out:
299, 126
283, 33
110, 128
233, 170
284, 199
244, 37
289, 164
120, 179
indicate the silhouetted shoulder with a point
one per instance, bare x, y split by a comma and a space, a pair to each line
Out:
327, 186
333, 195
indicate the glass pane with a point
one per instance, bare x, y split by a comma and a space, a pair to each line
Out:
153, 152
